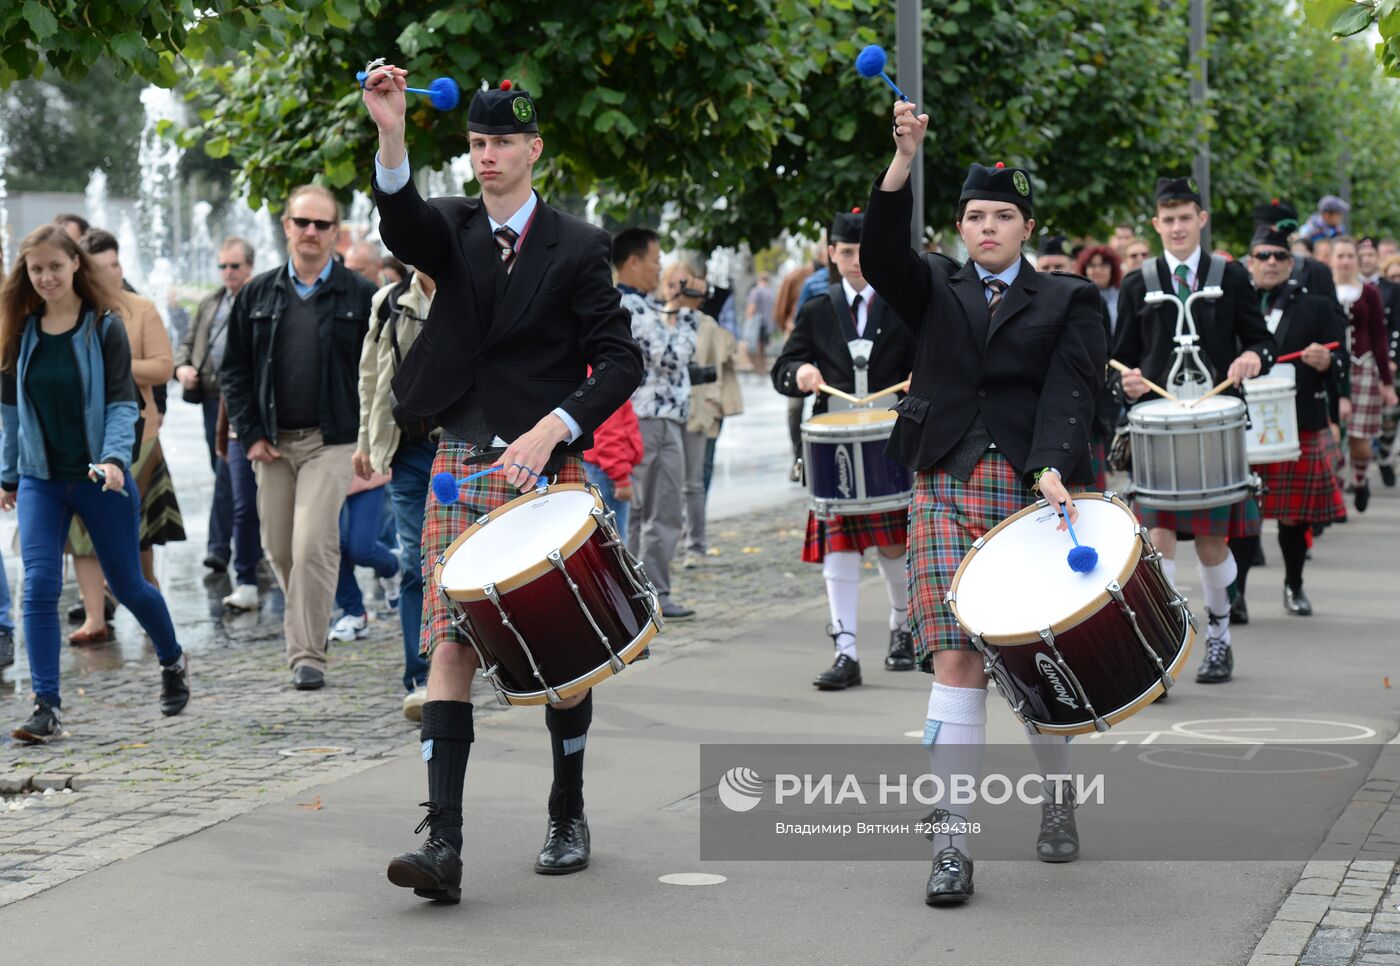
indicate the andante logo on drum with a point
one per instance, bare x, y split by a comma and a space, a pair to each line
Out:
1046, 666
845, 472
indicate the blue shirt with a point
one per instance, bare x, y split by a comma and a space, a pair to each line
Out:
393, 180
304, 290
817, 283
1007, 275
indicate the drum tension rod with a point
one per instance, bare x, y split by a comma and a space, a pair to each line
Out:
1048, 637
495, 598
1116, 592
556, 560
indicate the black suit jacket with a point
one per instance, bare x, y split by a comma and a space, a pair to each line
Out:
824, 325
1227, 326
1033, 372
1306, 319
527, 350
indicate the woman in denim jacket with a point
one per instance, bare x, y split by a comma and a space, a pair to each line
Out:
69, 407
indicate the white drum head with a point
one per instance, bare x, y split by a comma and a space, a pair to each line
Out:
1020, 582
517, 540
1166, 410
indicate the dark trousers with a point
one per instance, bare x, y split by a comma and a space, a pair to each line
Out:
221, 509
247, 531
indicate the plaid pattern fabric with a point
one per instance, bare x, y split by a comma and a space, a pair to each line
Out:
1304, 490
1366, 405
854, 533
443, 523
946, 516
1236, 520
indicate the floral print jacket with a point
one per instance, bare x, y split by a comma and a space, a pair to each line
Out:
667, 349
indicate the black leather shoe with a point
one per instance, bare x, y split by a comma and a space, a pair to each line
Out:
216, 564
42, 725
1059, 837
1388, 475
1218, 665
307, 678
676, 613
175, 687
1239, 610
843, 674
950, 882
566, 846
1362, 496
901, 656
1296, 602
432, 872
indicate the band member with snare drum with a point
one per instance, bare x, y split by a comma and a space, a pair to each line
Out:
524, 305
1302, 492
1007, 367
838, 334
1233, 342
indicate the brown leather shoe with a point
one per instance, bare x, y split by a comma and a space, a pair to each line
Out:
89, 638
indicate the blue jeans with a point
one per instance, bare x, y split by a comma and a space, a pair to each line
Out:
408, 493
247, 531
221, 509
360, 520
113, 521
7, 621
621, 508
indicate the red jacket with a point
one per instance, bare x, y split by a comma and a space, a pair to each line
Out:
617, 445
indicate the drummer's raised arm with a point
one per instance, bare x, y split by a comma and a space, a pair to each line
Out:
887, 259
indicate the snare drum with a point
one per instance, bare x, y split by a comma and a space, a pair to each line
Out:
1073, 652
548, 595
1273, 418
848, 473
1189, 457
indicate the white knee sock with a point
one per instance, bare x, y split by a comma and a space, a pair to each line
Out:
842, 573
1215, 588
1051, 756
1169, 568
895, 570
957, 724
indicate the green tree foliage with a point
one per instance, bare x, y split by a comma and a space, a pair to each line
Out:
1348, 18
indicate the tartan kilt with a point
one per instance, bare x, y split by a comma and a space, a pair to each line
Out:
854, 533
1303, 490
443, 523
945, 517
1239, 519
1366, 403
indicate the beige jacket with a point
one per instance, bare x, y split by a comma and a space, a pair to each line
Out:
152, 360
379, 434
711, 402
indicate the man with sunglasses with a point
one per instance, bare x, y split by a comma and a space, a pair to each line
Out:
290, 378
525, 305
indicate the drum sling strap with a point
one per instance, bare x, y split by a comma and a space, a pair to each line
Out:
858, 347
1215, 273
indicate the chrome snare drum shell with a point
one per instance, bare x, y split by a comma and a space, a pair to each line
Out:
1189, 457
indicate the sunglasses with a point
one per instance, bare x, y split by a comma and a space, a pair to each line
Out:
224, 266
320, 223
1274, 256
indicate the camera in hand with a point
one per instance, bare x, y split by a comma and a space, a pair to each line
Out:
699, 375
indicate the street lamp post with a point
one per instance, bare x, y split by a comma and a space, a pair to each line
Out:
909, 49
1200, 60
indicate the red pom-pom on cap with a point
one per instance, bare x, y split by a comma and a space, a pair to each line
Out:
1001, 164
506, 84
855, 211
1273, 201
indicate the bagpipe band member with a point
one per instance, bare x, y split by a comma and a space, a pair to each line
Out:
1007, 367
847, 334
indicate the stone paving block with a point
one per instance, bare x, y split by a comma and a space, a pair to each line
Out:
1336, 919
14, 782
1381, 942
1316, 886
1331, 947
1300, 907
1353, 905
1364, 866
1269, 959
1284, 938
1380, 959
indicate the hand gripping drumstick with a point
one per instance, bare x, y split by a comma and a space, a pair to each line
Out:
1150, 384
833, 391
1299, 354
1230, 382
897, 387
442, 92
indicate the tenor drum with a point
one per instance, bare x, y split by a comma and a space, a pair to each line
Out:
1273, 418
1073, 652
1189, 457
848, 473
548, 595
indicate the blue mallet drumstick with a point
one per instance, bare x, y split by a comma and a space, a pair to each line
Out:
443, 92
1082, 559
446, 486
871, 63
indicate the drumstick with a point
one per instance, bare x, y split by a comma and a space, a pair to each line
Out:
833, 391
1150, 384
1299, 354
897, 387
1215, 391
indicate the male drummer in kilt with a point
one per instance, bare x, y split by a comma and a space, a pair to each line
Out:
525, 304
1234, 341
819, 351
1007, 366
1302, 492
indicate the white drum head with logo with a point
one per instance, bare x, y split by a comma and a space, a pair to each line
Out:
1165, 411
1020, 581
518, 539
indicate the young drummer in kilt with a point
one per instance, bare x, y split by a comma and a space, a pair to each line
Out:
1234, 342
818, 352
1302, 492
1007, 368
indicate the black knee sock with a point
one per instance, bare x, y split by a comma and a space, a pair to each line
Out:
1244, 550
568, 733
1293, 541
447, 737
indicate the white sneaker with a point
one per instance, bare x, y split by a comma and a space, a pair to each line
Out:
413, 704
391, 589
348, 628
244, 597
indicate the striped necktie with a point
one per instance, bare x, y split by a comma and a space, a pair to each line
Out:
506, 238
998, 288
1183, 282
